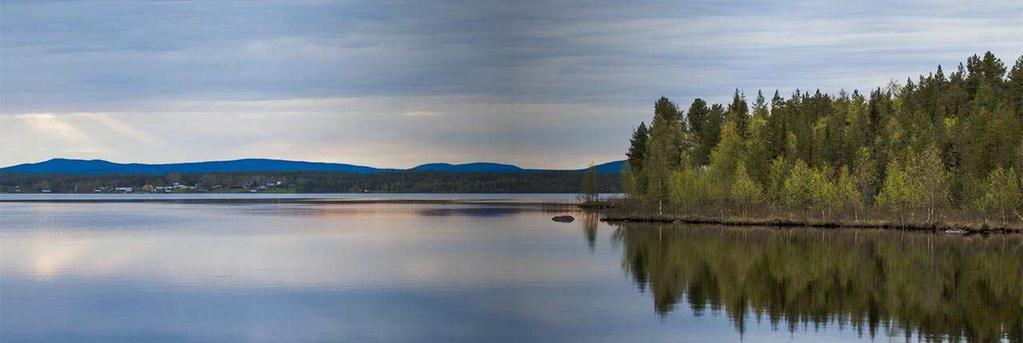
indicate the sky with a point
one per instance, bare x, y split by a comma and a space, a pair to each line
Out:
399, 83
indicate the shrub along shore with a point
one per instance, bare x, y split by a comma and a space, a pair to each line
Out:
937, 153
947, 227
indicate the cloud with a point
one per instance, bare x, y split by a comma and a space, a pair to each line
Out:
116, 127
359, 80
52, 126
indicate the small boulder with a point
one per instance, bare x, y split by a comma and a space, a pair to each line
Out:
563, 219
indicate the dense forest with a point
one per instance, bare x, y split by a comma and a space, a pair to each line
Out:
322, 182
941, 147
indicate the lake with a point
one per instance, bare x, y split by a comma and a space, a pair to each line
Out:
462, 271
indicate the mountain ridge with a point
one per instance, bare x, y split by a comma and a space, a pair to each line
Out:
103, 167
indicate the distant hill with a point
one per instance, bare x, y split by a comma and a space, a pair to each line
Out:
610, 167
476, 167
101, 167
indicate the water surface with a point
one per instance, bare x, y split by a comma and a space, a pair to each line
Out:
468, 272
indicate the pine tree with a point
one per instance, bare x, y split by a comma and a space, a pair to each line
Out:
1014, 88
664, 151
738, 113
698, 117
637, 147
634, 177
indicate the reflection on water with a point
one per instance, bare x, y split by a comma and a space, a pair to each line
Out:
936, 287
145, 272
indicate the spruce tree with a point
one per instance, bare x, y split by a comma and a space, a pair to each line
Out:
664, 153
633, 177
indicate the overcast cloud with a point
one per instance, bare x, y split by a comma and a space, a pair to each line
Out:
395, 84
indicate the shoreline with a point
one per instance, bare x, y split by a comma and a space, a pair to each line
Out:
945, 227
320, 201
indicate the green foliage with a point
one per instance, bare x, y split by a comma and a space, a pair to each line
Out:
664, 151
745, 191
1003, 192
797, 189
848, 195
637, 147
864, 175
897, 193
590, 186
635, 183
726, 156
919, 147
930, 180
777, 173
687, 189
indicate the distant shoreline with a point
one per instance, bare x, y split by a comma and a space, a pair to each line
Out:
494, 202
515, 199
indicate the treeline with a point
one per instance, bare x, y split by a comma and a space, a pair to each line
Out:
937, 148
322, 182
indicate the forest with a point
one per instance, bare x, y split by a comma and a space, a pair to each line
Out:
947, 146
324, 182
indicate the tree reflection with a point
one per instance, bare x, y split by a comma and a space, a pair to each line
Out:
589, 222
936, 287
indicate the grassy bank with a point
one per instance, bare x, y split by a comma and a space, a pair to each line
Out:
953, 222
949, 227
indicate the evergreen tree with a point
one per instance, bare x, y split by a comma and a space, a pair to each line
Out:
738, 112
1014, 88
664, 151
633, 177
698, 117
637, 147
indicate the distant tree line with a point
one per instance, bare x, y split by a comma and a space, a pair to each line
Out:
325, 182
939, 146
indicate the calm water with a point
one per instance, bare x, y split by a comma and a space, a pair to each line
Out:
436, 272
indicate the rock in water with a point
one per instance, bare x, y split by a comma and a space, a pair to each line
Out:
563, 219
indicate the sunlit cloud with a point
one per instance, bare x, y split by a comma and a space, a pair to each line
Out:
117, 127
52, 126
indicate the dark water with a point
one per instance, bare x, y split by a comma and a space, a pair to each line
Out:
418, 272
